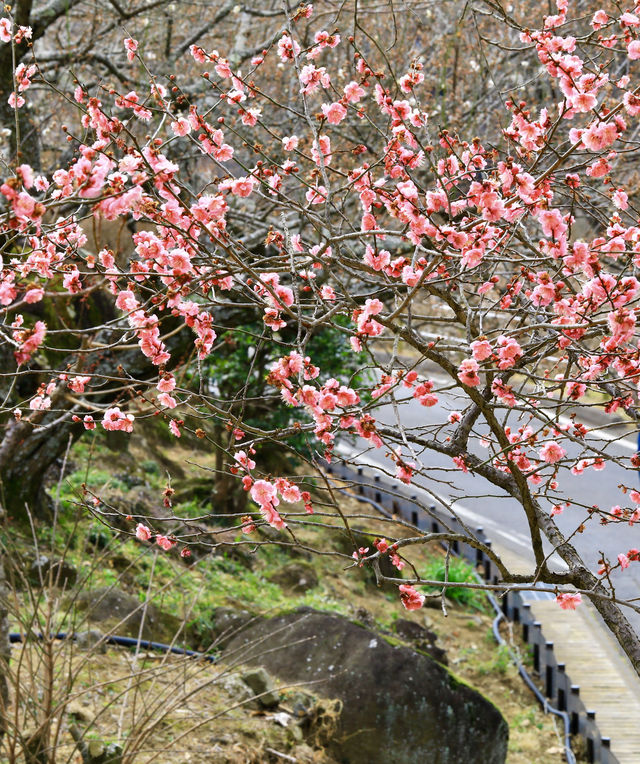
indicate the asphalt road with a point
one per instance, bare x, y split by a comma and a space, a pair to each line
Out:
503, 519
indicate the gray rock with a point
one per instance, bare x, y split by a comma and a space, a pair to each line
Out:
302, 703
296, 577
422, 638
305, 754
113, 754
341, 541
79, 711
236, 689
98, 753
262, 685
131, 481
120, 613
227, 622
60, 572
397, 704
91, 640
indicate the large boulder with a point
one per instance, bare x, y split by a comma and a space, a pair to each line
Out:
120, 613
59, 572
398, 703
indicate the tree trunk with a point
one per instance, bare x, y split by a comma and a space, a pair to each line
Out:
32, 445
32, 453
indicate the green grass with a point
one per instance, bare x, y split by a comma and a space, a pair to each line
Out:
459, 572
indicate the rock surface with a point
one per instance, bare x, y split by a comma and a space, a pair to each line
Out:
227, 624
398, 704
92, 639
60, 572
262, 686
120, 613
297, 577
421, 638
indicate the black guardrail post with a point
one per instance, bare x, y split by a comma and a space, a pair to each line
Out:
549, 670
526, 620
593, 738
576, 708
536, 640
561, 687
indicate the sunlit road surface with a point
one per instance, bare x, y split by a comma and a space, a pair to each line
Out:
480, 504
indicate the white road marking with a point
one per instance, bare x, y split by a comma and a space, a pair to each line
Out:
628, 444
511, 538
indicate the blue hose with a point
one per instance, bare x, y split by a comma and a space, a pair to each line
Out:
145, 644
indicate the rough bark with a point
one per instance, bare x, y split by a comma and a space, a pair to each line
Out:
21, 123
30, 447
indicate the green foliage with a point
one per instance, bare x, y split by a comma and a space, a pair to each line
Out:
238, 371
150, 467
459, 572
528, 718
499, 664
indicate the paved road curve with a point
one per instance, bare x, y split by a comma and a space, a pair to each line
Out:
502, 518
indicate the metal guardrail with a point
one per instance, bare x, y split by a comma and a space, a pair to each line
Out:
558, 688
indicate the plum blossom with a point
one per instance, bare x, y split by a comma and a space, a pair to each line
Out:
410, 597
552, 452
40, 403
568, 601
481, 350
181, 126
131, 46
620, 199
126, 300
164, 542
15, 101
396, 561
623, 560
353, 92
166, 383
290, 142
77, 384
5, 29
142, 532
404, 471
334, 112
382, 545
316, 195
29, 341
468, 372
265, 495
248, 526
242, 186
633, 50
288, 48
115, 419
34, 294
509, 351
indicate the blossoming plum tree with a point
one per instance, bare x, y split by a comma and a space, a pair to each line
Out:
491, 281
